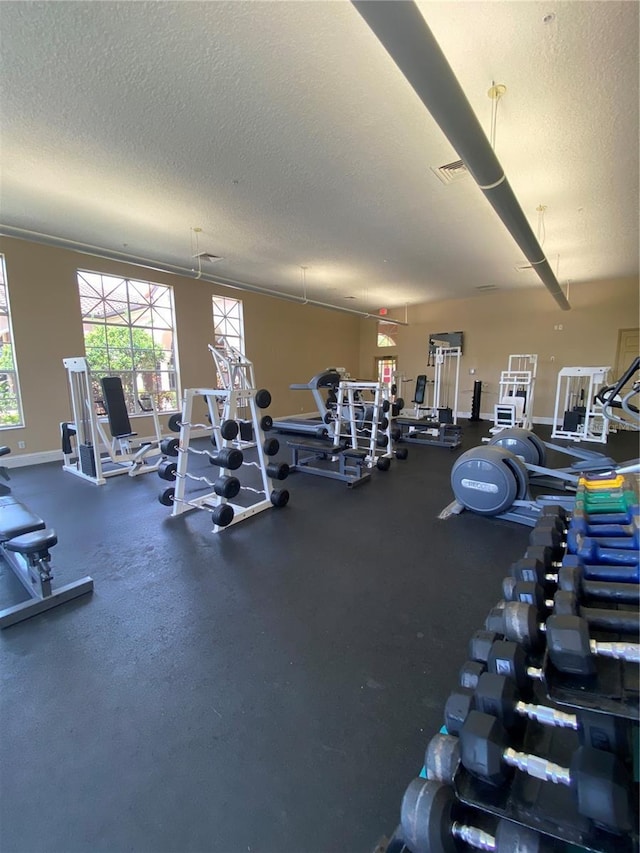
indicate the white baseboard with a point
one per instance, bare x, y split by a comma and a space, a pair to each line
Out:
21, 460
24, 459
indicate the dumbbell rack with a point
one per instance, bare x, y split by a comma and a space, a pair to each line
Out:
548, 809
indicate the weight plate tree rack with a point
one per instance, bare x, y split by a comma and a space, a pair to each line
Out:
95, 457
577, 415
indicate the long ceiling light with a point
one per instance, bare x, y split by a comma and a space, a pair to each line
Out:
404, 34
174, 269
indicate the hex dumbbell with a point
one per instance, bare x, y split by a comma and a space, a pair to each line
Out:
429, 825
499, 696
540, 556
591, 550
598, 779
566, 601
573, 651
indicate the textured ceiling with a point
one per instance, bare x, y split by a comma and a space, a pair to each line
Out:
285, 132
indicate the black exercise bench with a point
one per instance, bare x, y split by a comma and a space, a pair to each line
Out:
351, 462
25, 541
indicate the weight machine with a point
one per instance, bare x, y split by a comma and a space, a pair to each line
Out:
222, 407
578, 414
87, 450
236, 373
515, 395
437, 423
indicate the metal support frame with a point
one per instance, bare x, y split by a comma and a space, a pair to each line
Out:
516, 394
222, 404
348, 414
96, 456
425, 427
445, 359
576, 394
33, 570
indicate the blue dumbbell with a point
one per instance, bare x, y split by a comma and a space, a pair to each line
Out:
591, 528
601, 550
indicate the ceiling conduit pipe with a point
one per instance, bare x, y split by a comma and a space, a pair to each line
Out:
405, 35
174, 269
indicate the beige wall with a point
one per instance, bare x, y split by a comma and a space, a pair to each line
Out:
287, 342
498, 324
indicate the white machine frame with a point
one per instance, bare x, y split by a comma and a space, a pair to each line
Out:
349, 405
513, 409
106, 457
576, 383
222, 404
237, 374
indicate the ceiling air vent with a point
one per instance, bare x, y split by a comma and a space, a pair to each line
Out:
487, 288
451, 172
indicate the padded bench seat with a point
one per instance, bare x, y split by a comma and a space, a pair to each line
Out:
38, 541
315, 447
16, 519
354, 453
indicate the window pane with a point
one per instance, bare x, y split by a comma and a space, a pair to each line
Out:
10, 403
125, 336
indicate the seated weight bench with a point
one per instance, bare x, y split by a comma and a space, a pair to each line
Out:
24, 543
307, 456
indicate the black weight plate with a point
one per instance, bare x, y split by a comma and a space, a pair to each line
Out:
263, 398
166, 497
175, 422
223, 515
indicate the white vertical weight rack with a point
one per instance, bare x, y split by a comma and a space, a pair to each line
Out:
352, 410
516, 393
447, 361
577, 387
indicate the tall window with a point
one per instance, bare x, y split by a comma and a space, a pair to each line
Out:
387, 334
228, 322
129, 331
10, 405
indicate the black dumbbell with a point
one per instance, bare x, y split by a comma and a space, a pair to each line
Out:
504, 657
598, 779
499, 696
574, 579
566, 602
598, 618
442, 757
519, 622
429, 825
571, 649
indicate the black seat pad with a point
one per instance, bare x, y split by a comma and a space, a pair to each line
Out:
314, 446
352, 453
16, 519
30, 543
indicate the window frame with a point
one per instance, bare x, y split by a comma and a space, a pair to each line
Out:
237, 338
13, 371
132, 377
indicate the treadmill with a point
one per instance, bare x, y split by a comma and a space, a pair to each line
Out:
328, 379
